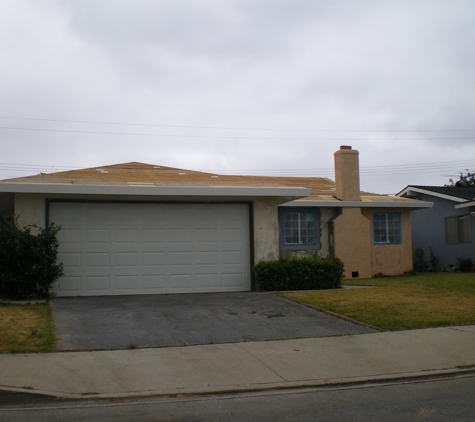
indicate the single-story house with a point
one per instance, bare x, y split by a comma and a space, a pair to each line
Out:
138, 228
448, 227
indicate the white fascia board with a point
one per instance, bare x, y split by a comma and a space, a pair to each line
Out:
358, 204
465, 205
429, 192
296, 193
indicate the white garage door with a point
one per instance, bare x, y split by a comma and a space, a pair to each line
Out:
131, 248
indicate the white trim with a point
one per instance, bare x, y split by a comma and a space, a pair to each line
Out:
358, 204
290, 193
429, 192
465, 205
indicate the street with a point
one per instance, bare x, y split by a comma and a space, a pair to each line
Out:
448, 399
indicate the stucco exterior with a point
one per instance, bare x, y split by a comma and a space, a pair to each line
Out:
428, 231
393, 259
352, 233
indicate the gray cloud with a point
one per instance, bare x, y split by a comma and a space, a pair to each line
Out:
340, 65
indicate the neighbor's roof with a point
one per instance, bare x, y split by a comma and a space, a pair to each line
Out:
147, 179
451, 193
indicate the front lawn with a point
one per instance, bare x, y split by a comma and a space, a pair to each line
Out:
398, 303
26, 329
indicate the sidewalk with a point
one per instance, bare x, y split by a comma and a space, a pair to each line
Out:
241, 367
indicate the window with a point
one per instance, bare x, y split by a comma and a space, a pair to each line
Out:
458, 230
299, 228
387, 227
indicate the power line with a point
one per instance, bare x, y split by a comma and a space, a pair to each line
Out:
231, 128
225, 137
369, 171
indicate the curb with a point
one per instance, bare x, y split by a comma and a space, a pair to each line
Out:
181, 393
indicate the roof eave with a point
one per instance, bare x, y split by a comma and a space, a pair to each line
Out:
409, 189
359, 204
465, 205
288, 192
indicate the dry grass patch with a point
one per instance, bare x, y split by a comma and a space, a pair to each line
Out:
402, 302
26, 328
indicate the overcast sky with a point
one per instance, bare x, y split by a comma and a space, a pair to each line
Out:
234, 86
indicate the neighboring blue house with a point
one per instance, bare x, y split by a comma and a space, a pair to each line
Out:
448, 227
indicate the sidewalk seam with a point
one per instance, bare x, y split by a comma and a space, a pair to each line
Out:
261, 361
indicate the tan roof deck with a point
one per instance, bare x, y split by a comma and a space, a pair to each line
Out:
147, 175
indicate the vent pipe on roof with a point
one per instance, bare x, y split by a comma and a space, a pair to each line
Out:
347, 174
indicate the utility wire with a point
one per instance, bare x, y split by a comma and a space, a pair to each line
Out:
229, 128
227, 137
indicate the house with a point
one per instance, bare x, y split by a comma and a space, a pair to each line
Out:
137, 228
448, 228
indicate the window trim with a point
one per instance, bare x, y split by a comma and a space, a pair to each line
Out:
387, 228
314, 243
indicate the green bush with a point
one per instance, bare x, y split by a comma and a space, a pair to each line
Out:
418, 260
464, 264
28, 265
299, 274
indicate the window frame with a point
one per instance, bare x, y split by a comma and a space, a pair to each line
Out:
387, 228
284, 233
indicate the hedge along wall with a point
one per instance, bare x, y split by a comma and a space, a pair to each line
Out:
28, 256
299, 274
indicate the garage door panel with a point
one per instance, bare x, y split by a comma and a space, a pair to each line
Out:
207, 258
98, 260
153, 235
153, 283
233, 280
69, 236
70, 260
232, 257
180, 281
69, 286
98, 284
131, 248
97, 235
97, 212
125, 283
125, 236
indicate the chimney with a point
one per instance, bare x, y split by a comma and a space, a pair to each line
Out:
347, 174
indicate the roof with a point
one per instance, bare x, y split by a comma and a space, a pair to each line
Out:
456, 194
148, 179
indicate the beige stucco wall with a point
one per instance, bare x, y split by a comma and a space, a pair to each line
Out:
393, 259
31, 209
353, 236
352, 240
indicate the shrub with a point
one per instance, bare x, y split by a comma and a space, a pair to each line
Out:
464, 264
418, 260
299, 274
433, 260
28, 258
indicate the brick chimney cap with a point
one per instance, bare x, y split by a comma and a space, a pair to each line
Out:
345, 147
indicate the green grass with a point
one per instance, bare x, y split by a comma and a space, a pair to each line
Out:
26, 329
398, 303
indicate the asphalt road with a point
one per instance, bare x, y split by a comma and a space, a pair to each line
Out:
436, 400
115, 322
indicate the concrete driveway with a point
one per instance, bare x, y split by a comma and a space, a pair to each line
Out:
117, 322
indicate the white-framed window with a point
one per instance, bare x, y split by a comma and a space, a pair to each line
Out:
458, 230
387, 228
299, 228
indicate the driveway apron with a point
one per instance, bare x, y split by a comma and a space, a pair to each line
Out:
117, 322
